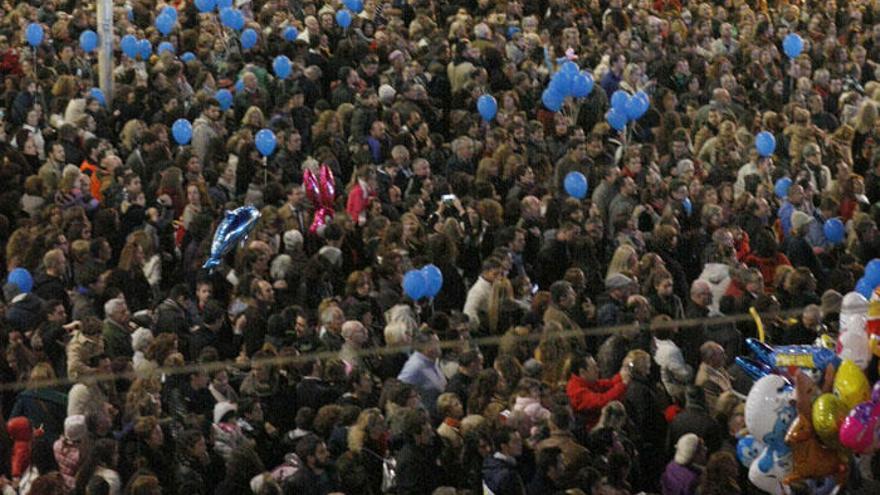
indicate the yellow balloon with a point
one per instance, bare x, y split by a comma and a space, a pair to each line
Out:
828, 412
851, 385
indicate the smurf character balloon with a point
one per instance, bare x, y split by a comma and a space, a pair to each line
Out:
748, 448
234, 228
769, 414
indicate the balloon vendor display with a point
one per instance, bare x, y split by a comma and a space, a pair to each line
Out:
814, 441
321, 191
234, 228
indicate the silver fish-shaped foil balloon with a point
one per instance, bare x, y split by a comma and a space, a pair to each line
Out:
234, 228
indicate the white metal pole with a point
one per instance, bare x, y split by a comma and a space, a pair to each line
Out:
105, 51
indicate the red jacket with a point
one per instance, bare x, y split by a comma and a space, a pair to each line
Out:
768, 267
588, 398
357, 203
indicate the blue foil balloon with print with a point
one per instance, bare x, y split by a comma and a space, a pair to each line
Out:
234, 229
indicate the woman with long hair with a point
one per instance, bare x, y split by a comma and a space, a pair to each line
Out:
485, 394
129, 278
503, 311
360, 467
101, 461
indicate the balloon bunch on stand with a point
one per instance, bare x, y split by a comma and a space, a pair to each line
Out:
427, 282
837, 412
321, 191
569, 81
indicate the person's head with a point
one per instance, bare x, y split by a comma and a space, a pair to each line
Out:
690, 449
492, 269
562, 294
470, 362
449, 406
507, 441
313, 452
585, 367
354, 333
427, 343
713, 354
117, 310
549, 463
701, 293
639, 362
415, 427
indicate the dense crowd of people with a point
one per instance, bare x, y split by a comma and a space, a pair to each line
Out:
501, 383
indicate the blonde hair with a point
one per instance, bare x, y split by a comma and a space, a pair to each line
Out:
358, 433
620, 261
502, 291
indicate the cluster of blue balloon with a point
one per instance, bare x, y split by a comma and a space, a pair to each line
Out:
487, 106
133, 48
568, 81
88, 41
576, 185
232, 18
344, 17
265, 141
34, 34
166, 20
281, 66
834, 230
792, 45
426, 282
870, 280
626, 108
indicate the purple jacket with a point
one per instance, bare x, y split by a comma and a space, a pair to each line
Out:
679, 480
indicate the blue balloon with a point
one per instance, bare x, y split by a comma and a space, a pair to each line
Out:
290, 33
834, 230
237, 20
619, 100
265, 141
239, 86
165, 46
234, 229
224, 4
356, 6
34, 34
182, 131
562, 83
576, 185
281, 66
188, 57
487, 106
227, 17
129, 45
872, 272
781, 187
97, 94
224, 97
145, 49
88, 41
865, 288
205, 6
793, 45
433, 280
687, 206
765, 143
582, 85
569, 68
414, 285
22, 279
552, 100
616, 119
343, 18
164, 23
633, 108
169, 11
248, 38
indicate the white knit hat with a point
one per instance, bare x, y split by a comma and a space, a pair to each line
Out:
686, 448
